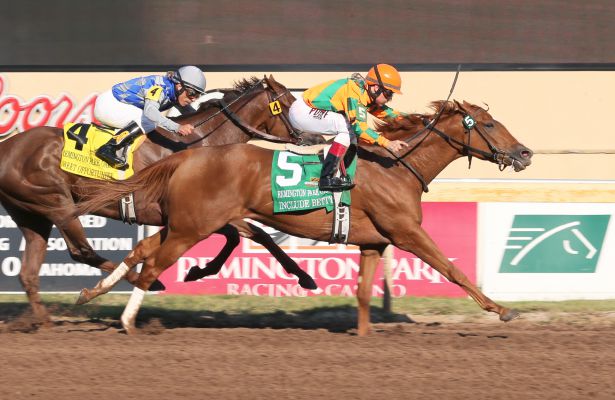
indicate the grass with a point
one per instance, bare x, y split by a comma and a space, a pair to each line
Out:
336, 314
266, 305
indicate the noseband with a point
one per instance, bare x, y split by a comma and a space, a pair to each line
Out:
469, 123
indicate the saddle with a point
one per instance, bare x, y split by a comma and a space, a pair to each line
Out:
294, 188
79, 152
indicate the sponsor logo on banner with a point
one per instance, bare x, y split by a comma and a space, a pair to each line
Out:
251, 270
111, 239
554, 244
16, 113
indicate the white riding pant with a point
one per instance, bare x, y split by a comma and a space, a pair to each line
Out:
112, 112
313, 120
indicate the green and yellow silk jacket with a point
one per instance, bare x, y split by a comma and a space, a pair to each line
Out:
349, 97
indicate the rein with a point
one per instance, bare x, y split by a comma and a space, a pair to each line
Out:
469, 123
496, 155
428, 127
260, 134
252, 131
233, 117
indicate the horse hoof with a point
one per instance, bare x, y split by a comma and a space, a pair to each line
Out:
157, 286
195, 273
307, 282
84, 297
131, 329
509, 315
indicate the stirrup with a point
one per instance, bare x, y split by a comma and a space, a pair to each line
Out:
106, 152
335, 184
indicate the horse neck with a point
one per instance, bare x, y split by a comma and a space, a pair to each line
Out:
213, 130
433, 154
218, 130
255, 113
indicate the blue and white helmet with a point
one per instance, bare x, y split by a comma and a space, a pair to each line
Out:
191, 77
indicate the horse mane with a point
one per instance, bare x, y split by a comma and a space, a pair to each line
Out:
403, 127
239, 87
243, 85
412, 121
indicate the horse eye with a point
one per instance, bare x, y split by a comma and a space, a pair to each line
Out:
488, 124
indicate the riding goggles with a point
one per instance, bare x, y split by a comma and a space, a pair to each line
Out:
191, 93
387, 93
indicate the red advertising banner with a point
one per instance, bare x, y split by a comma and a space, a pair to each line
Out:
251, 270
42, 109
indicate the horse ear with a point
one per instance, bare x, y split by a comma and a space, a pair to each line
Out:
470, 106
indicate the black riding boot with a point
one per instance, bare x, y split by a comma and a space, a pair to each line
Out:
348, 158
328, 181
108, 151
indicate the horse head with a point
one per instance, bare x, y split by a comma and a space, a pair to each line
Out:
488, 139
253, 108
467, 129
285, 99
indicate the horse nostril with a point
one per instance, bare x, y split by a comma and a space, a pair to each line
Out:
526, 153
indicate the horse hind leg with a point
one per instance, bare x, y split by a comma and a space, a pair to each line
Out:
81, 251
144, 249
36, 237
172, 247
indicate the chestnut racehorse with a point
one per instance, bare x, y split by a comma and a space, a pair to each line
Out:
37, 193
386, 204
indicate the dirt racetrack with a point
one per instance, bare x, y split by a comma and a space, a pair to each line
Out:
569, 356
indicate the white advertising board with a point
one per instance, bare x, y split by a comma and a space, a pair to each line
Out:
547, 251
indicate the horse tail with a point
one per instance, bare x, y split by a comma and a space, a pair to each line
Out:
152, 183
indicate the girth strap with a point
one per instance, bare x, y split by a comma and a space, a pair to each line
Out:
128, 213
341, 220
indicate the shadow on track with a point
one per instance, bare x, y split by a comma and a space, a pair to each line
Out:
16, 317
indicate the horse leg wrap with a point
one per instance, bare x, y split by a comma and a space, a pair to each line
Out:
114, 277
132, 308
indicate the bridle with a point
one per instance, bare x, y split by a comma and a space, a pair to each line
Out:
469, 123
275, 108
466, 149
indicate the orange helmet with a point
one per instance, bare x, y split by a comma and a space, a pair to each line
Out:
389, 77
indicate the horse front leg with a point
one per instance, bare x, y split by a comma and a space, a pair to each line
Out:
418, 242
231, 232
214, 266
143, 250
370, 256
289, 265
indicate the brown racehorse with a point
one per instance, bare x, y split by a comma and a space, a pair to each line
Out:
32, 185
386, 204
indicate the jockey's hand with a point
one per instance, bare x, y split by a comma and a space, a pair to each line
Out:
396, 145
185, 129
